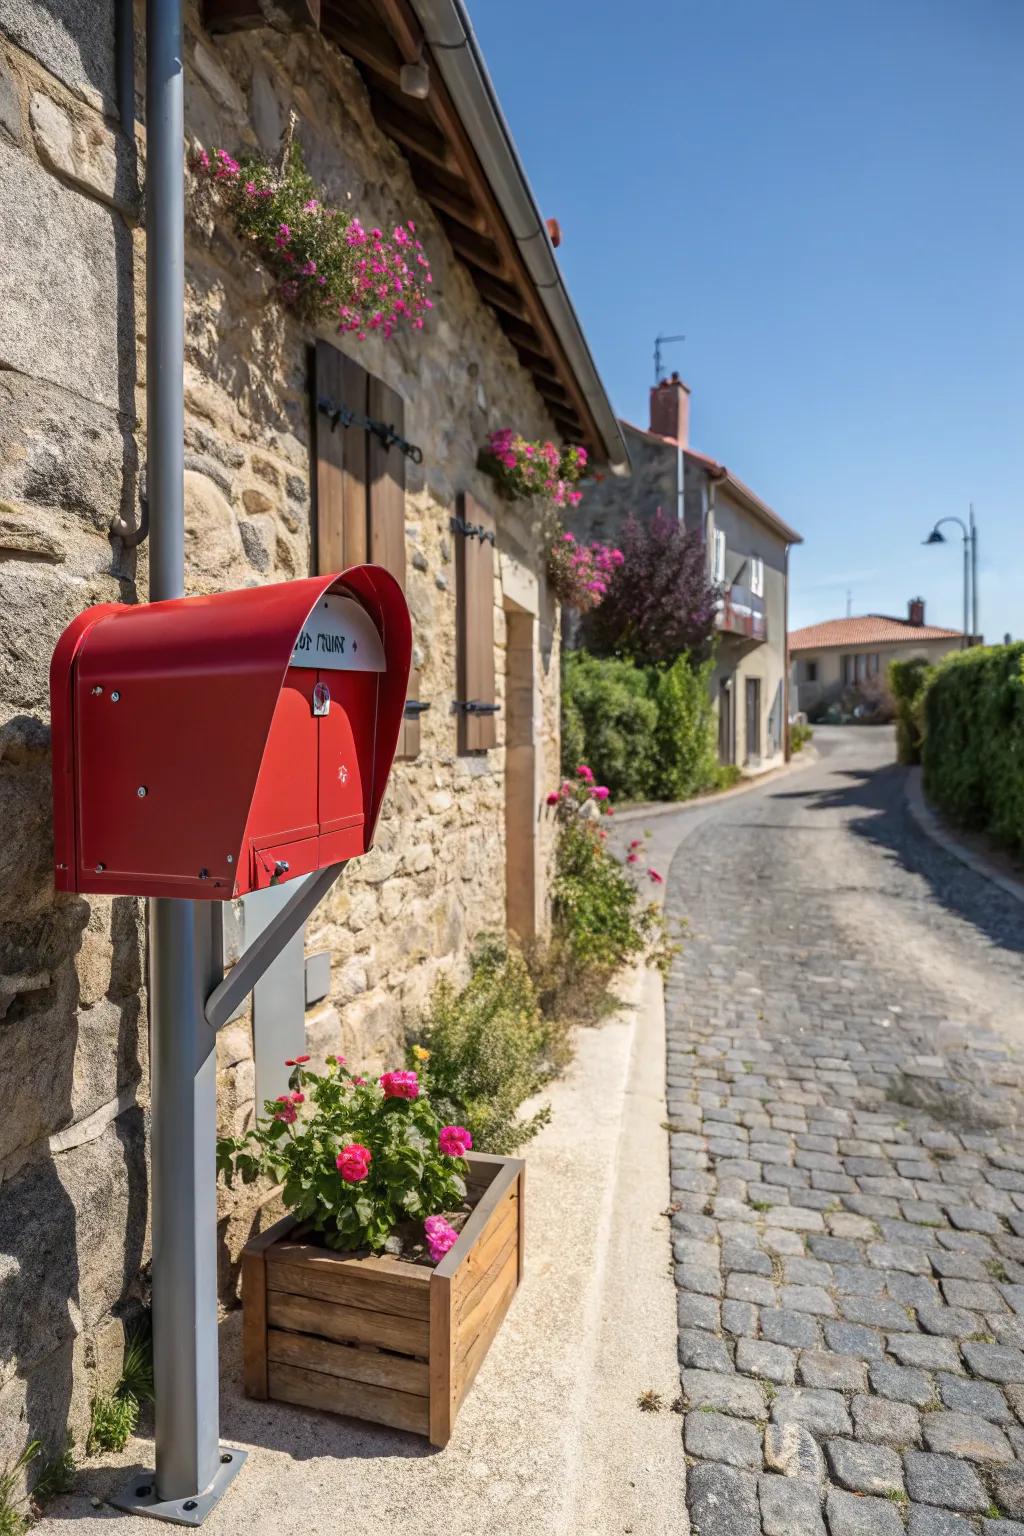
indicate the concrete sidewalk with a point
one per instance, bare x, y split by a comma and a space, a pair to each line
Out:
551, 1438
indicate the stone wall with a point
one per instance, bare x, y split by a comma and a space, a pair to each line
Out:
73, 1070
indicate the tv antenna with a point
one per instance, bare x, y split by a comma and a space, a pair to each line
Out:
659, 342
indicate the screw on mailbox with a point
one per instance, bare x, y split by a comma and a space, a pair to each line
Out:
204, 874
100, 868
114, 696
142, 791
281, 868
98, 689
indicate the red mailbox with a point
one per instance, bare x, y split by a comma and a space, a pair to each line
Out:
210, 746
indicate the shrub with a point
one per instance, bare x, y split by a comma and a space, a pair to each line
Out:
973, 712
648, 732
907, 681
799, 734
609, 720
661, 603
685, 737
490, 1049
356, 1159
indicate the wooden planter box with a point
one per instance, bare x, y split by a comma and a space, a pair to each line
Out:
379, 1338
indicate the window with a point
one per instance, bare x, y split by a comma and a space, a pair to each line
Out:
757, 575
873, 664
718, 559
862, 668
810, 671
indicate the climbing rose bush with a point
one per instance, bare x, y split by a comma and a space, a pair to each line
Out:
525, 469
325, 263
357, 1159
579, 574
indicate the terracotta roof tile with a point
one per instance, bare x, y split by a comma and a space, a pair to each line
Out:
873, 629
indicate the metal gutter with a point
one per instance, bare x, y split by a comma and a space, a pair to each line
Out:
460, 62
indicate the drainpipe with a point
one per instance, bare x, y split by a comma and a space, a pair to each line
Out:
125, 56
787, 753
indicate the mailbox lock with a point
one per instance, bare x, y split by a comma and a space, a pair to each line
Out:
142, 791
321, 699
114, 696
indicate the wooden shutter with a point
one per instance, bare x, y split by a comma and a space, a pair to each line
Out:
360, 484
474, 577
341, 463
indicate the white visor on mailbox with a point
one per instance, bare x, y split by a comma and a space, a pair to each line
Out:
339, 636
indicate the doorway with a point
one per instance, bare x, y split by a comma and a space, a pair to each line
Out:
753, 719
522, 798
726, 723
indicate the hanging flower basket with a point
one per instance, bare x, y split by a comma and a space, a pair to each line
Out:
525, 470
579, 574
379, 1294
324, 263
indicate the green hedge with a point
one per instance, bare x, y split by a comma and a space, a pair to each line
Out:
907, 683
647, 732
974, 740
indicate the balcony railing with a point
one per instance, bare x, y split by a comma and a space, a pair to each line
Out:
741, 613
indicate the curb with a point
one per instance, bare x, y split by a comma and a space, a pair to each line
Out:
804, 759
927, 820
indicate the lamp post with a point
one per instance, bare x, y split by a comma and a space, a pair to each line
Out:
970, 538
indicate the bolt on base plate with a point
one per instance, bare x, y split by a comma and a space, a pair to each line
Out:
139, 1495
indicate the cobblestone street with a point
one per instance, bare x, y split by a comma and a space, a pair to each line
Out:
847, 1156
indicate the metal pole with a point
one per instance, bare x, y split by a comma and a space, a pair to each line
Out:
967, 590
975, 626
183, 967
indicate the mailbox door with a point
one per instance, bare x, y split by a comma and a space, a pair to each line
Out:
284, 818
345, 761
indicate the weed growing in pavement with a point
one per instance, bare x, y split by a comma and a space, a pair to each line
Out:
650, 1401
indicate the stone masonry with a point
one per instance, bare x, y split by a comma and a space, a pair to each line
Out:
847, 1166
73, 1024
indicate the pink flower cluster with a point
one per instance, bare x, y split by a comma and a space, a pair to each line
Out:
454, 1141
524, 468
391, 281
580, 574
288, 1101
441, 1237
400, 1085
353, 1162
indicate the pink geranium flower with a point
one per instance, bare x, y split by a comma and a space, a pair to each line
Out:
287, 1112
655, 878
441, 1237
400, 1085
353, 1162
455, 1141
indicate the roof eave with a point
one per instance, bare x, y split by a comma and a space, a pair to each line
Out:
458, 60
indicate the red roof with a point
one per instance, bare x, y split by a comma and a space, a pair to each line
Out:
873, 629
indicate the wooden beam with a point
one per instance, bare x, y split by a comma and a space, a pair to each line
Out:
475, 250
233, 15
411, 43
554, 394
500, 296
407, 132
441, 196
374, 50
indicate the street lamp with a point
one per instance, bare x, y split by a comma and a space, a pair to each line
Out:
970, 538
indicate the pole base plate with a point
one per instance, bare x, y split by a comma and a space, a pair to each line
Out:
139, 1496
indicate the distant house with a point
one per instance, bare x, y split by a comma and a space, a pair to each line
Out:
841, 656
748, 557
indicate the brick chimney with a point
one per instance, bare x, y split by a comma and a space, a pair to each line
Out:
670, 410
915, 611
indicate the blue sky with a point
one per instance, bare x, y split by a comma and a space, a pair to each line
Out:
825, 197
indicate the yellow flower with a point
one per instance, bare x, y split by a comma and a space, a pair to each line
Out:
420, 1054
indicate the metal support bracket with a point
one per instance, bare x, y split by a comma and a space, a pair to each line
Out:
138, 1496
262, 952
